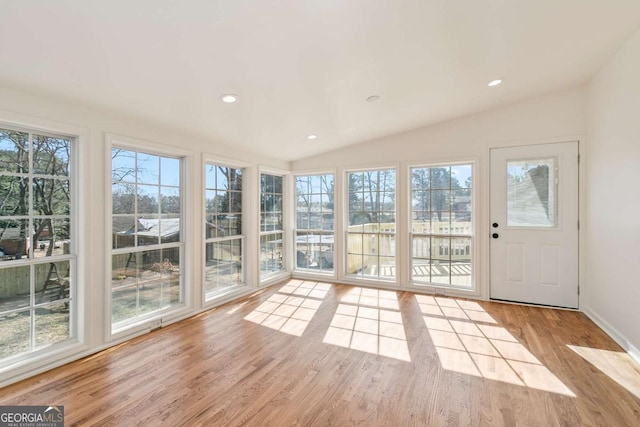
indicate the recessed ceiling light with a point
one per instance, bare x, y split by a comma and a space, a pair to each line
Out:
373, 98
312, 136
495, 82
229, 98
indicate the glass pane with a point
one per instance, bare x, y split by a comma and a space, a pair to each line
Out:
169, 200
14, 147
222, 178
440, 200
440, 271
52, 324
271, 253
149, 231
147, 199
302, 220
52, 281
421, 178
234, 204
440, 178
325, 255
13, 240
355, 254
50, 196
277, 184
303, 250
223, 268
210, 176
387, 267
461, 176
123, 198
51, 156
148, 169
211, 203
123, 231
169, 230
461, 252
531, 198
314, 251
421, 200
233, 224
302, 184
235, 179
51, 237
170, 171
16, 333
327, 220
123, 165
440, 248
14, 195
421, 223
144, 282
420, 263
15, 291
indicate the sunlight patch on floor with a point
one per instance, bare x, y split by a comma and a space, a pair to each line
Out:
290, 309
468, 340
617, 365
369, 320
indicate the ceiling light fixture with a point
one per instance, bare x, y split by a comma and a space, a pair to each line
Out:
229, 98
495, 82
373, 98
312, 136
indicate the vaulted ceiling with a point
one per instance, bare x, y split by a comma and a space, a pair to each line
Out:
304, 67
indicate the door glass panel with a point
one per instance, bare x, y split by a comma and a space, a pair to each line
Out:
531, 193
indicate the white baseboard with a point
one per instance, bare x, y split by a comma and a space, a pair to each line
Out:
613, 333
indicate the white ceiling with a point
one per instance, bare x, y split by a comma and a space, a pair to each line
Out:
305, 66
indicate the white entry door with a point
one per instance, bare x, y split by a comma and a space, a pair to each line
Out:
534, 224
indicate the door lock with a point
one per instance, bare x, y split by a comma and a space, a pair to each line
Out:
495, 235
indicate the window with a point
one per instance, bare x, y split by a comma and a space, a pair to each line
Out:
442, 225
224, 240
314, 223
146, 235
371, 233
271, 225
37, 243
531, 193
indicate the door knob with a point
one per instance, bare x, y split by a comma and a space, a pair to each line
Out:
495, 235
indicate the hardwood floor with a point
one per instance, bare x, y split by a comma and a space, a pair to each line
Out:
309, 353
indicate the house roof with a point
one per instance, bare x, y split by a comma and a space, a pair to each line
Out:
165, 227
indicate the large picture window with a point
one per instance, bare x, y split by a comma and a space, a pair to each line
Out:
37, 244
271, 225
147, 248
224, 242
442, 225
314, 232
371, 232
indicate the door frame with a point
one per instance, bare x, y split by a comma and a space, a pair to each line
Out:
485, 221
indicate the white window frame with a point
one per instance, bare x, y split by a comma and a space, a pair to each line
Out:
336, 244
177, 311
216, 297
422, 286
27, 363
382, 282
273, 277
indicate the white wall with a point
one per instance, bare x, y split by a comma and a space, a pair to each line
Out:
64, 116
613, 207
553, 118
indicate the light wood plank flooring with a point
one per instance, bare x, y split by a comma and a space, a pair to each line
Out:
314, 354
